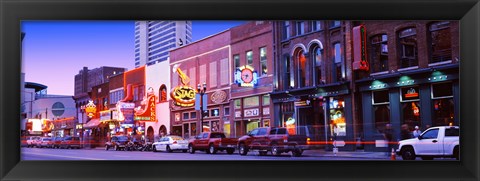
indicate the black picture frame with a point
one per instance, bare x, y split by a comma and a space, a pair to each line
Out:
12, 12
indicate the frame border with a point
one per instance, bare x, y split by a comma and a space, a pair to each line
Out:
12, 12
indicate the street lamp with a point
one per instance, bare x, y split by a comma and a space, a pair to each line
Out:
201, 92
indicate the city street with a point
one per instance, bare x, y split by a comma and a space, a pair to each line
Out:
100, 154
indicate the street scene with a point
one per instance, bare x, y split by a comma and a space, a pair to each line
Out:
240, 90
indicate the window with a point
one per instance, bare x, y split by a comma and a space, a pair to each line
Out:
251, 102
334, 24
337, 62
379, 55
236, 59
452, 132
286, 30
58, 109
302, 69
193, 115
337, 117
254, 132
262, 131
249, 55
238, 104
382, 116
316, 25
263, 61
185, 115
224, 70
443, 104
273, 131
317, 57
286, 70
214, 112
442, 90
266, 99
430, 134
213, 75
163, 93
411, 114
408, 47
226, 111
300, 27
380, 97
440, 42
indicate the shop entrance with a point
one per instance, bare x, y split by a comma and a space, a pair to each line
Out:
310, 122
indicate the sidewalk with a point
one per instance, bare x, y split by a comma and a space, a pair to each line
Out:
348, 154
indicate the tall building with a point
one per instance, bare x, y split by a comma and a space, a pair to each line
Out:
154, 39
86, 79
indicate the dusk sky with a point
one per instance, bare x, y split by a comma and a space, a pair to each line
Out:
55, 51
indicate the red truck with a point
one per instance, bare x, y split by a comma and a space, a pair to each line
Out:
275, 140
211, 142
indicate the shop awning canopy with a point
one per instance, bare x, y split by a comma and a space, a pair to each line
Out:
92, 123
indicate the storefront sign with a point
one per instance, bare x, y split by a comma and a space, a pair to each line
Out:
183, 96
218, 97
411, 93
149, 113
245, 76
266, 111
302, 103
251, 112
238, 114
90, 109
79, 126
360, 48
105, 115
125, 112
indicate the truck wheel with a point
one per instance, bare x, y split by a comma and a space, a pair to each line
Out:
408, 154
296, 153
456, 153
191, 149
242, 149
275, 150
230, 151
211, 149
168, 149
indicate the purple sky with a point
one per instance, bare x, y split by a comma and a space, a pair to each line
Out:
55, 51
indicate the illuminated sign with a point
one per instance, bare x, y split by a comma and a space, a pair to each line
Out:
245, 76
183, 96
251, 112
79, 126
90, 109
125, 112
360, 48
149, 113
411, 93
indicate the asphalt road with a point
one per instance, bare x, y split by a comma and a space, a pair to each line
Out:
99, 154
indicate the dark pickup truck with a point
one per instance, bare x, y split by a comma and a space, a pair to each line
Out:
275, 140
212, 142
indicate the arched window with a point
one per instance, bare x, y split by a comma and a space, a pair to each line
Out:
407, 42
162, 93
440, 42
302, 68
379, 53
317, 57
338, 69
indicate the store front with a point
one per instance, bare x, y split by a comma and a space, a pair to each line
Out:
250, 113
422, 98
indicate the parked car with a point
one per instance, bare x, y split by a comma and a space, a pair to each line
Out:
274, 140
211, 142
45, 142
171, 143
117, 142
440, 141
23, 141
31, 141
56, 142
71, 142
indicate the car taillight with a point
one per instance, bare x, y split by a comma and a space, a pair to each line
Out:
308, 140
175, 142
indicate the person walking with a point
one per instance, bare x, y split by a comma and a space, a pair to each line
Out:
405, 133
416, 132
388, 134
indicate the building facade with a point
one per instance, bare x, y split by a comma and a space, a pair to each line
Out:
204, 63
413, 78
252, 72
154, 40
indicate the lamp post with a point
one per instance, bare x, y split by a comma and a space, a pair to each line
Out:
201, 90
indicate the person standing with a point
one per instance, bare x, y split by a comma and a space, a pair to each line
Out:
388, 134
416, 133
405, 133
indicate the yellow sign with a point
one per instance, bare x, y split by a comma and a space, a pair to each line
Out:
90, 109
183, 96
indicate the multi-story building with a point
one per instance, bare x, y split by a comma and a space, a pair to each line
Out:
313, 81
413, 78
252, 62
204, 63
154, 39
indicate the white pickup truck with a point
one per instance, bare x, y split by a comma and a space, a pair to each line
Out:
441, 141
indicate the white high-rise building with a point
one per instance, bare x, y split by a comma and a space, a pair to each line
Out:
154, 39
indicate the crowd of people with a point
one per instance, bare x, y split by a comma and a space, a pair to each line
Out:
405, 133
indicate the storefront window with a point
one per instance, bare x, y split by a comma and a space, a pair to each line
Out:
214, 113
443, 104
411, 114
266, 123
206, 127
193, 127
266, 99
252, 124
238, 103
186, 130
215, 126
410, 94
226, 111
251, 102
382, 116
226, 129
338, 124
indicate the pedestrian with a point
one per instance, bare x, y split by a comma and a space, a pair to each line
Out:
416, 132
405, 133
388, 134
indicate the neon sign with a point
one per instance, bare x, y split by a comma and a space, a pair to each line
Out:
90, 109
360, 61
149, 113
245, 76
183, 95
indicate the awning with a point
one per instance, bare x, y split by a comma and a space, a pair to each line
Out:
92, 123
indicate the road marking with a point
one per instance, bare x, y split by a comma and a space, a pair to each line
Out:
74, 157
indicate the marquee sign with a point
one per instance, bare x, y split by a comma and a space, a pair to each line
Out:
245, 76
219, 96
360, 61
183, 95
149, 113
90, 109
